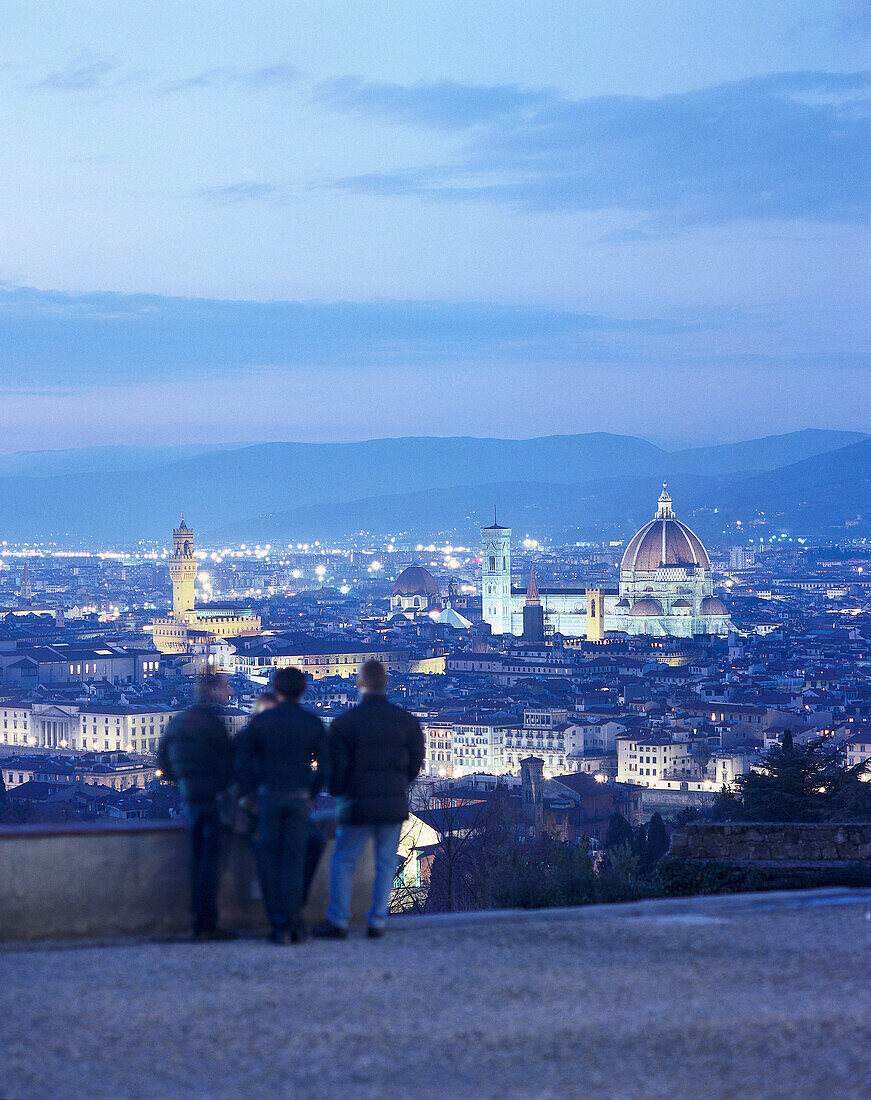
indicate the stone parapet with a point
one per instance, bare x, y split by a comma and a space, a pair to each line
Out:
776, 844
131, 878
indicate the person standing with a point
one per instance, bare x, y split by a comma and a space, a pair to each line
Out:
195, 752
377, 750
282, 758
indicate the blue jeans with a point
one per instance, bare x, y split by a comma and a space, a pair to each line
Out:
350, 842
204, 831
284, 827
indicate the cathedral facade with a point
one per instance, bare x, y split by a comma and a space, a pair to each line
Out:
665, 589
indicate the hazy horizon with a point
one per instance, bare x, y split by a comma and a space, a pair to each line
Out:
667, 445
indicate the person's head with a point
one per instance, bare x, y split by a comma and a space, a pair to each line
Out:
214, 689
266, 701
373, 678
289, 684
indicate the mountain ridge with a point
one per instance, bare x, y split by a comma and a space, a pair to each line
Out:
235, 485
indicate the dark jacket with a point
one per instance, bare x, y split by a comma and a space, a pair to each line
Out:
377, 751
277, 750
196, 753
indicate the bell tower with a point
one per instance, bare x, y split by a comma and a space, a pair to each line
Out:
183, 570
496, 577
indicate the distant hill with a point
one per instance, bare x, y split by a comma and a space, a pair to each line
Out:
95, 460
114, 494
768, 453
817, 494
814, 497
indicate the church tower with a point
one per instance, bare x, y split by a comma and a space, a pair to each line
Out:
595, 615
533, 612
183, 570
496, 577
25, 592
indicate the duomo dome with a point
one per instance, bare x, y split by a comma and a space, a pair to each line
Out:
664, 541
666, 585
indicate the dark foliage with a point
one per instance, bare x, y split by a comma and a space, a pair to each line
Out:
620, 834
538, 874
686, 878
656, 843
799, 783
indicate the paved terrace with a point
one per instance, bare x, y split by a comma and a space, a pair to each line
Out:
755, 996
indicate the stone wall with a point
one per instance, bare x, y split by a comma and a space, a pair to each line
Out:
94, 880
776, 844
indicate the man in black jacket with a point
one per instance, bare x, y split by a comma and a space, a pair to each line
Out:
377, 750
283, 759
196, 753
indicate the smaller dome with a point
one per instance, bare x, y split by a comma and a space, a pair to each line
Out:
623, 605
415, 581
681, 603
711, 605
646, 608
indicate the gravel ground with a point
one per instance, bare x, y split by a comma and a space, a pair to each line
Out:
720, 997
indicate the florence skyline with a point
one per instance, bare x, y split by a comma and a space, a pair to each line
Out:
298, 226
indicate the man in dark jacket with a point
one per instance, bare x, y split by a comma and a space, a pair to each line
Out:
377, 750
196, 753
283, 759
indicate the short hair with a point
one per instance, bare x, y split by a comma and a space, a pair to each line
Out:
264, 701
208, 683
373, 676
290, 683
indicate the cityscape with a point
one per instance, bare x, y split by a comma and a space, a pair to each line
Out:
435, 550
651, 662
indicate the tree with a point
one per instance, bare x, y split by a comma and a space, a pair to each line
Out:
701, 754
657, 841
799, 783
685, 815
619, 833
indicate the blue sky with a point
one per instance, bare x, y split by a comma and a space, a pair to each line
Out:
337, 221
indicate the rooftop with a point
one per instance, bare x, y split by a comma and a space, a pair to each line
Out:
749, 995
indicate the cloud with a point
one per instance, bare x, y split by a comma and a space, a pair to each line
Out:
86, 73
784, 146
854, 19
222, 76
59, 341
442, 104
243, 191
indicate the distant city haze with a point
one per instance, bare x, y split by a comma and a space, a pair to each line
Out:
344, 222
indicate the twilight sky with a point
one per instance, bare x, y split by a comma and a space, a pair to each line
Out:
329, 220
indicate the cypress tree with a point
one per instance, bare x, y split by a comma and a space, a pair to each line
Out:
619, 833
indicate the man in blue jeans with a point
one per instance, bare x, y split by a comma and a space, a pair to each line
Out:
376, 750
283, 759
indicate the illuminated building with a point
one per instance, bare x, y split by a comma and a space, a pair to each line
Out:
665, 590
666, 584
415, 593
187, 625
496, 578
